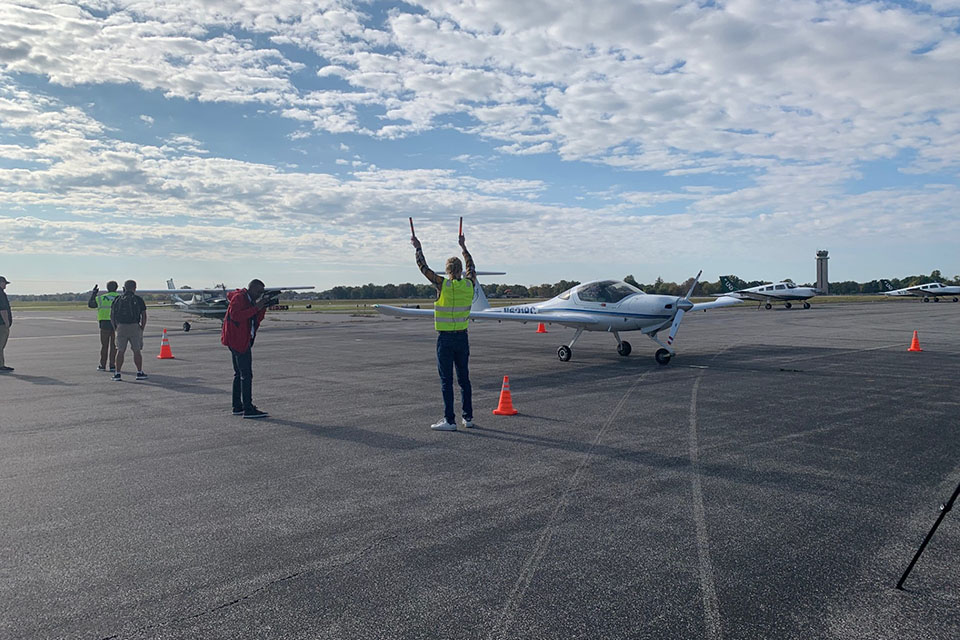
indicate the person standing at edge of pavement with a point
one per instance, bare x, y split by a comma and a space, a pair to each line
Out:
451, 315
103, 302
6, 321
244, 314
129, 317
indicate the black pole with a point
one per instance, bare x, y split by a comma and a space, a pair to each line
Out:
943, 511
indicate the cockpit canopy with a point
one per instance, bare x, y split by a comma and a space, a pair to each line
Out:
608, 291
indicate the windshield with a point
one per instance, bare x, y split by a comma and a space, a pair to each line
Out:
607, 291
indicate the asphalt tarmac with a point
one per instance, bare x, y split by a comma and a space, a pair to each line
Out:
773, 481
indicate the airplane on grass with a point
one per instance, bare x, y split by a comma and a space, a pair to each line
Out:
935, 290
602, 305
784, 291
209, 303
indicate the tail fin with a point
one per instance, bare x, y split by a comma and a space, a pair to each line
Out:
174, 296
480, 302
886, 285
727, 283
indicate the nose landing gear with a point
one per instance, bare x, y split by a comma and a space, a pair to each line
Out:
186, 327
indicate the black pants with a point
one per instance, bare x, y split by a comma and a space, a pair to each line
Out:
242, 379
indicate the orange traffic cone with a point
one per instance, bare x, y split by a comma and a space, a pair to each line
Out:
165, 353
506, 402
541, 328
915, 343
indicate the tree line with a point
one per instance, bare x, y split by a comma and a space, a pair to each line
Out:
409, 290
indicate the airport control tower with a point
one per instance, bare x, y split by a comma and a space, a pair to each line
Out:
823, 284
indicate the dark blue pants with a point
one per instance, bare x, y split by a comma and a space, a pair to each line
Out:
242, 379
453, 350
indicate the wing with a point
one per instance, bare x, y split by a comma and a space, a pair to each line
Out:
211, 291
566, 318
725, 301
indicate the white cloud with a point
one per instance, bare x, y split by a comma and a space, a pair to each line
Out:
793, 99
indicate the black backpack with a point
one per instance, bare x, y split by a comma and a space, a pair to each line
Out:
126, 310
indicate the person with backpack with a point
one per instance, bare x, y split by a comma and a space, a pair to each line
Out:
103, 303
245, 312
128, 313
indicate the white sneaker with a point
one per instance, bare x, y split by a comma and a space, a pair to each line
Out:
468, 424
443, 425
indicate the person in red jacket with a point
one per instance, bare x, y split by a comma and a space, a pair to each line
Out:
244, 315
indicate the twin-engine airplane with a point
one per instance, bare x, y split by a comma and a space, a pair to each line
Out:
602, 305
210, 303
935, 290
784, 291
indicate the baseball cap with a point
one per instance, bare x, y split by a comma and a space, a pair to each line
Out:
4, 280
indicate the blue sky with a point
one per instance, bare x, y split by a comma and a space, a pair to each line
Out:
290, 140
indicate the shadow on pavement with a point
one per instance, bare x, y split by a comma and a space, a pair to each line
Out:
377, 439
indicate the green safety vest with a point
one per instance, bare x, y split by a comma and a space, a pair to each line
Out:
104, 302
452, 310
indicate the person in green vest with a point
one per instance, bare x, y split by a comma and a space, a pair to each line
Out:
108, 343
451, 314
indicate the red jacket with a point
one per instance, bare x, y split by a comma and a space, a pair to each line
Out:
236, 324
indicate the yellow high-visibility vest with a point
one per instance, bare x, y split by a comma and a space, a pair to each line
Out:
452, 310
104, 302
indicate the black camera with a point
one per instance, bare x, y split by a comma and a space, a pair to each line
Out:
270, 298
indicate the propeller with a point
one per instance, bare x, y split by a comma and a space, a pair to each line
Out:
683, 305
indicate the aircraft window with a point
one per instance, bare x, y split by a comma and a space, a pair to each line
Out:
780, 286
608, 291
790, 285
565, 295
768, 288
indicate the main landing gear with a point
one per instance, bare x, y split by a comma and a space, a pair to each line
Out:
565, 352
787, 305
768, 306
662, 356
186, 327
806, 305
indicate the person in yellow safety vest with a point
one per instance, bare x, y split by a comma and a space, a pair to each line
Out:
451, 314
108, 343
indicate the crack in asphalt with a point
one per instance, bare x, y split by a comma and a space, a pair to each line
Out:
225, 605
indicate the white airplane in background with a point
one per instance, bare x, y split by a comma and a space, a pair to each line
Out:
602, 305
210, 303
784, 291
935, 290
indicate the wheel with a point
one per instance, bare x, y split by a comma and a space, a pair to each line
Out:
806, 305
624, 348
955, 299
662, 356
787, 305
936, 299
926, 299
186, 327
564, 353
768, 306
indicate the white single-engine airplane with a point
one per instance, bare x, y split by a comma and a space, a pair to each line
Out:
210, 303
784, 291
602, 305
935, 290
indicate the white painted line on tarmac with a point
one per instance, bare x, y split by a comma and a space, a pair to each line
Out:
543, 543
708, 588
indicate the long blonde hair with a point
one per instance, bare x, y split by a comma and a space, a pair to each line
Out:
454, 268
